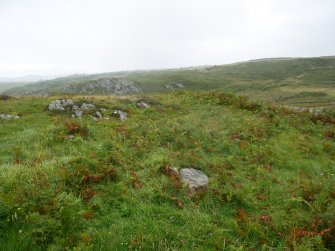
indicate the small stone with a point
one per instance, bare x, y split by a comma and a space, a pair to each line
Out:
120, 114
172, 171
9, 116
78, 113
142, 105
98, 115
195, 179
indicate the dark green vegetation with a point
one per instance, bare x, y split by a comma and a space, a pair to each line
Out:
77, 184
297, 81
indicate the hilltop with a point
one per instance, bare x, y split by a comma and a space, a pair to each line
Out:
287, 81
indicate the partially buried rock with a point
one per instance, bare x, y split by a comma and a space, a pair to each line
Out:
9, 116
172, 171
98, 115
142, 105
78, 113
60, 104
195, 179
87, 107
120, 114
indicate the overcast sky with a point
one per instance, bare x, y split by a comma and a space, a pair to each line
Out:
47, 37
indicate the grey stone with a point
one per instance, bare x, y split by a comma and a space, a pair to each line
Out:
142, 105
9, 116
60, 104
180, 85
87, 107
98, 115
68, 102
56, 105
75, 107
78, 113
195, 179
120, 114
169, 87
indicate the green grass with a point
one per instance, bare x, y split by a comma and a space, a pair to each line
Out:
271, 176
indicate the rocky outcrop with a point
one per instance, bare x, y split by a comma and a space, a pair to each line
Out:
110, 86
76, 109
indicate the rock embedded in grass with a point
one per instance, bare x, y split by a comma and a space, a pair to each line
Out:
142, 105
120, 114
87, 107
195, 179
60, 104
9, 116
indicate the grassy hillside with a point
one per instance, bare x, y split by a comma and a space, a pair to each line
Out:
80, 184
296, 81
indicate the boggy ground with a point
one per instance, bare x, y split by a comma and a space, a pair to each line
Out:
80, 184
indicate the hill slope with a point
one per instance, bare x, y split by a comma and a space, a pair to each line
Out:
296, 81
81, 184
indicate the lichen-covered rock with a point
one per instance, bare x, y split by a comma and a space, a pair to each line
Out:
56, 105
60, 104
120, 114
87, 107
195, 179
78, 113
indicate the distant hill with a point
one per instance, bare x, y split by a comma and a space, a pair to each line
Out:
28, 78
294, 81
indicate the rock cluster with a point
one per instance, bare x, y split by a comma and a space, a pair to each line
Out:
86, 108
9, 116
60, 104
78, 110
195, 179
